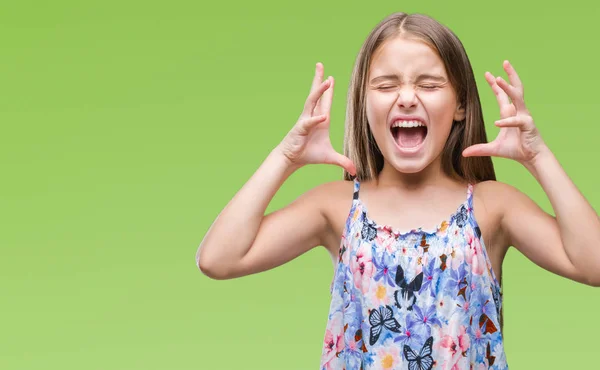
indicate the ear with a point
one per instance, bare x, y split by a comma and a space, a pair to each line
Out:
460, 113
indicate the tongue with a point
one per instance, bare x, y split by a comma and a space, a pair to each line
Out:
410, 137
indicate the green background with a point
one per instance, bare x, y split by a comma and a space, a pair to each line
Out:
128, 125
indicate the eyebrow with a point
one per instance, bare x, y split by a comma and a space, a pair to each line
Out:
420, 77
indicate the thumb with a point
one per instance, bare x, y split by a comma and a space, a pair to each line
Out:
341, 160
479, 150
307, 124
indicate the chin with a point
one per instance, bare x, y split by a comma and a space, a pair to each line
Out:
411, 160
409, 166
410, 149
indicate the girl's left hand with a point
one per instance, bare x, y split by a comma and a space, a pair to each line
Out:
518, 138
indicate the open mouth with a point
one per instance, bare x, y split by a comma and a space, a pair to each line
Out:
409, 134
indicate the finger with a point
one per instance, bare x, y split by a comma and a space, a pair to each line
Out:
342, 161
318, 77
501, 96
515, 95
513, 77
313, 98
307, 124
480, 150
327, 98
522, 122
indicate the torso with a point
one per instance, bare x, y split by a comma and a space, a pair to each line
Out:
485, 203
415, 285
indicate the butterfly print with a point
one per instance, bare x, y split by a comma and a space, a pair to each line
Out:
407, 290
422, 361
478, 232
384, 317
368, 232
462, 216
436, 309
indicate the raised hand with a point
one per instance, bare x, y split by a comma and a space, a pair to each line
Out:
308, 141
518, 138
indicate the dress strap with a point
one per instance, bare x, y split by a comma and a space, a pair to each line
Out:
470, 188
471, 216
356, 188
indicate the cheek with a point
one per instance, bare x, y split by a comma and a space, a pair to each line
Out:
440, 109
372, 107
369, 108
378, 107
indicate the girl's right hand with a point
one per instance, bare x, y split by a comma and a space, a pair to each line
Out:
308, 141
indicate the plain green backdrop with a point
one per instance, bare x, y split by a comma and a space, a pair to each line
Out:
127, 126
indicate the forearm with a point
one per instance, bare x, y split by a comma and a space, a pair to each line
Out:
578, 222
232, 233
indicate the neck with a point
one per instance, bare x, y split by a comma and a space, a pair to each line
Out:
431, 176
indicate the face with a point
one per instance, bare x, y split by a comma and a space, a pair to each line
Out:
410, 104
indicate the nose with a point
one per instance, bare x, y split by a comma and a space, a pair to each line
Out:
407, 98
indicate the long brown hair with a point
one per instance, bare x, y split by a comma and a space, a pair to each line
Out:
359, 144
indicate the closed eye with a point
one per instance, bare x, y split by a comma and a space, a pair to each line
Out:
426, 87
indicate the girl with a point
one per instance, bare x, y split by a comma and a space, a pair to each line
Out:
424, 225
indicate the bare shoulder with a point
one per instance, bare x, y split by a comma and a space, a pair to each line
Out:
330, 191
334, 199
490, 199
495, 196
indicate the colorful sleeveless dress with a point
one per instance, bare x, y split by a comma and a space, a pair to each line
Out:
417, 300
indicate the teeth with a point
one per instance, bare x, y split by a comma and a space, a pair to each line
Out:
407, 124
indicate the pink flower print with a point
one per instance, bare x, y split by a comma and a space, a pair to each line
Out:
361, 266
333, 343
448, 346
388, 357
474, 254
453, 347
463, 339
380, 295
387, 240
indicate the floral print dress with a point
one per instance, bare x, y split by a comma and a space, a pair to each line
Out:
417, 300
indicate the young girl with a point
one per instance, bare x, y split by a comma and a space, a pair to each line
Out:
424, 225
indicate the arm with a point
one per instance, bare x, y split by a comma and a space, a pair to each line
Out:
568, 244
540, 236
242, 240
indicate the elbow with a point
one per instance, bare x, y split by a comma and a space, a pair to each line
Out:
211, 269
588, 279
594, 282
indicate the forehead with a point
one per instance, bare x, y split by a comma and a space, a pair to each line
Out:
406, 58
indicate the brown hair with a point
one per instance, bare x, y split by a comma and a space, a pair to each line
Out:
359, 144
